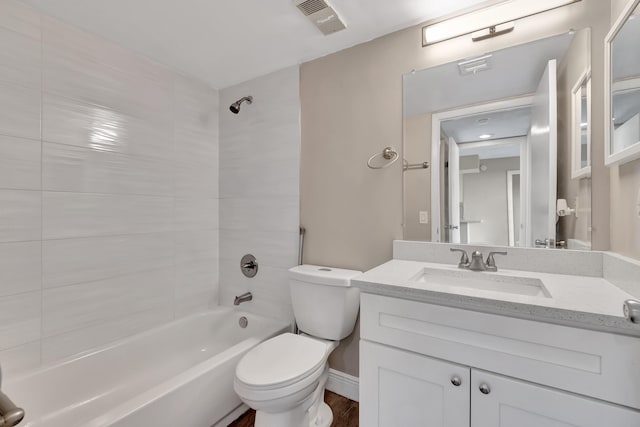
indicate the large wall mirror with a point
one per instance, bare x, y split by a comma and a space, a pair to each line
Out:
507, 136
622, 143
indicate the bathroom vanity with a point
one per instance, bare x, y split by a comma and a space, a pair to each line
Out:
442, 346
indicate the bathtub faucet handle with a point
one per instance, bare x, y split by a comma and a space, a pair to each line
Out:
247, 296
10, 414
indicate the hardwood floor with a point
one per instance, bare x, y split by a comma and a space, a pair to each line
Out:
345, 412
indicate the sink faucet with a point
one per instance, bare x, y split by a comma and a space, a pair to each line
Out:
464, 259
491, 262
477, 263
247, 296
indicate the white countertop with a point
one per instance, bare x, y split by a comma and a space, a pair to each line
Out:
580, 301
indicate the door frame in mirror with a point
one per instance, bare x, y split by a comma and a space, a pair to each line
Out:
633, 151
436, 120
577, 171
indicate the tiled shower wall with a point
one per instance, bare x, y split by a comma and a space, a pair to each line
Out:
108, 191
260, 190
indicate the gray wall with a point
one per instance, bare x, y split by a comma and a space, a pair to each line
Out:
625, 185
485, 198
108, 191
569, 71
352, 108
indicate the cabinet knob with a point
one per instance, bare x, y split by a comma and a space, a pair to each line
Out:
456, 381
485, 389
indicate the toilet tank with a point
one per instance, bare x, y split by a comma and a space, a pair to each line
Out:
325, 304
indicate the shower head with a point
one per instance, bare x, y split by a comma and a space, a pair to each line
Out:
235, 107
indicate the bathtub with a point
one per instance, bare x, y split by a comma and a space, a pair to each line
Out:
179, 374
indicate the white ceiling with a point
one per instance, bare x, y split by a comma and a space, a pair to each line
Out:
515, 71
499, 124
224, 42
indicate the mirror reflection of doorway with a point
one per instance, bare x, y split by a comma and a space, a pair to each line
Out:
481, 189
533, 119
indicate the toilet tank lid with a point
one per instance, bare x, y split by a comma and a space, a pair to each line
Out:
323, 275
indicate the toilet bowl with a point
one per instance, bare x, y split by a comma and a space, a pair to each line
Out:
284, 378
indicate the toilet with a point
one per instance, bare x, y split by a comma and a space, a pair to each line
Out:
284, 378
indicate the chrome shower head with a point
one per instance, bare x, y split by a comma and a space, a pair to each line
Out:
235, 107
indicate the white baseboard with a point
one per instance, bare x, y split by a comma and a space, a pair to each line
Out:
232, 416
343, 384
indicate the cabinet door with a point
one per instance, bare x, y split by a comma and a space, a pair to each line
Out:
510, 403
402, 389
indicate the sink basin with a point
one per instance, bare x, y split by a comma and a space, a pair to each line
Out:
483, 281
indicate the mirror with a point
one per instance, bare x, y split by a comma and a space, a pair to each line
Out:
622, 143
505, 123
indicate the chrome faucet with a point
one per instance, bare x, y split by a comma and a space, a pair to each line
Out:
464, 259
477, 263
491, 262
10, 414
247, 296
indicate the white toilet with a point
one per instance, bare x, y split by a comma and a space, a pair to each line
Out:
284, 378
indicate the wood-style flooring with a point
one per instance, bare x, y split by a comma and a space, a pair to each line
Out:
345, 412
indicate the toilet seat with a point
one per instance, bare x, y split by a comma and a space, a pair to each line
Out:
280, 367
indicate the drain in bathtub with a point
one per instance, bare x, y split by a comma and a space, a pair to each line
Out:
243, 322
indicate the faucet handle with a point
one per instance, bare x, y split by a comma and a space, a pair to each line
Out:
491, 262
464, 259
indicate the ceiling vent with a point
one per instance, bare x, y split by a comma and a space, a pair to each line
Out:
322, 15
475, 65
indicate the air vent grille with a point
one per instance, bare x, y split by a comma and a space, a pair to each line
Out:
310, 7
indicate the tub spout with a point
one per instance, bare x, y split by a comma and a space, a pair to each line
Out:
243, 298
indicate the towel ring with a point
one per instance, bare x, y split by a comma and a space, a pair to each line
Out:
389, 153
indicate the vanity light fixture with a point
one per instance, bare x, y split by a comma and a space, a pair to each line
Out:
488, 22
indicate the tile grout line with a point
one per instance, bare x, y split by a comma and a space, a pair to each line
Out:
41, 187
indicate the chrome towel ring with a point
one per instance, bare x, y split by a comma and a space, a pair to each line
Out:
389, 153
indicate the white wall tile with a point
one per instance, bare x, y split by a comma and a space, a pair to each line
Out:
19, 359
272, 248
73, 261
196, 245
83, 67
196, 286
67, 215
19, 319
17, 16
72, 122
196, 214
20, 215
113, 160
195, 180
20, 163
20, 267
68, 168
68, 308
260, 189
19, 111
260, 214
71, 343
196, 106
19, 59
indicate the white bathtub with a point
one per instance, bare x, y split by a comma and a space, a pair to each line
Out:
180, 374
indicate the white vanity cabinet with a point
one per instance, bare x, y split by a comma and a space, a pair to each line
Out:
398, 388
428, 365
512, 403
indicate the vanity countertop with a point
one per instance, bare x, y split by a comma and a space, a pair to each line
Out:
578, 301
